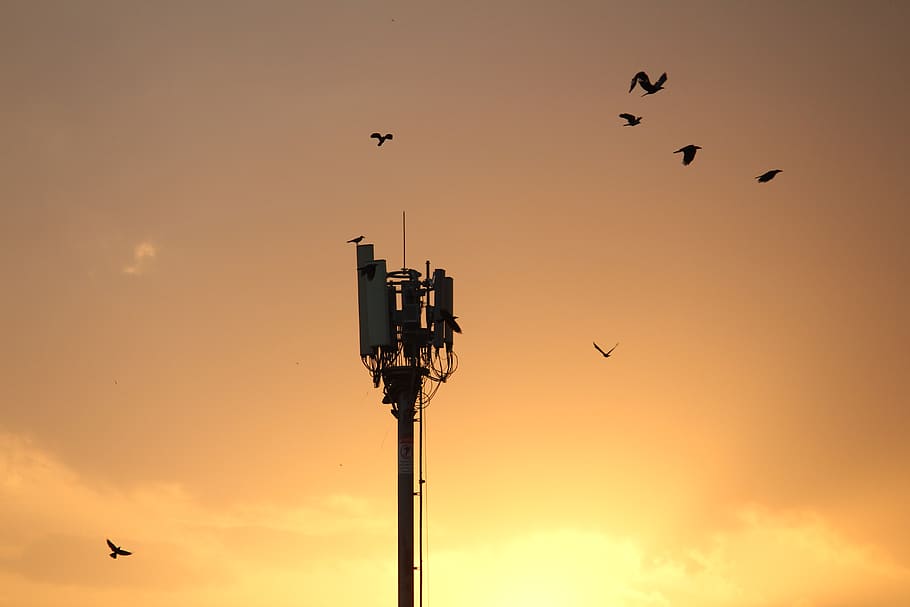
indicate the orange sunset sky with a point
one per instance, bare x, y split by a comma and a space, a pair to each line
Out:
179, 364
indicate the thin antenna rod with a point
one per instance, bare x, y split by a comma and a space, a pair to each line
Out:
404, 239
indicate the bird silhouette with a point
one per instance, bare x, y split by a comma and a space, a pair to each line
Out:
766, 177
631, 119
644, 82
688, 153
356, 240
117, 550
368, 270
381, 138
447, 317
607, 353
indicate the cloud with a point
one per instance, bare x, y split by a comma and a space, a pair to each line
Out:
336, 549
143, 254
769, 559
53, 525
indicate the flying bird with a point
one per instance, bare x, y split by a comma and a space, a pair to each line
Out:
631, 119
607, 353
381, 138
117, 550
447, 317
688, 153
356, 240
766, 177
644, 82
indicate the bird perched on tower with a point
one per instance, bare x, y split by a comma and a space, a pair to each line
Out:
447, 318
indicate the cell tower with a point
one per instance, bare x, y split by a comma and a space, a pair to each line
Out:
406, 344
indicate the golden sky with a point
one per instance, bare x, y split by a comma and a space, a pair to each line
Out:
179, 363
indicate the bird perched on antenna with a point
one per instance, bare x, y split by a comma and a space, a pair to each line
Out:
447, 318
356, 240
688, 153
766, 177
642, 80
631, 119
117, 550
607, 353
381, 138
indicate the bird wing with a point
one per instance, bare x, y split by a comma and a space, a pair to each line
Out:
375, 136
610, 350
596, 347
388, 136
661, 80
629, 117
640, 78
123, 552
454, 324
449, 318
688, 155
112, 546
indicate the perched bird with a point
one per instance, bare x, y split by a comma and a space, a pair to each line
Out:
766, 177
631, 119
688, 153
368, 270
356, 240
381, 138
607, 353
117, 550
644, 82
447, 317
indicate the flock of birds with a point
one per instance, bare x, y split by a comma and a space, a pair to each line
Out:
688, 151
642, 80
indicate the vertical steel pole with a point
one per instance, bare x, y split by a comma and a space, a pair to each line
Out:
406, 498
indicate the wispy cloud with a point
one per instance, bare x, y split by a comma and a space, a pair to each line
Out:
810, 564
143, 254
53, 523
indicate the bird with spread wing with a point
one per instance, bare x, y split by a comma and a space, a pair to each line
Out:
117, 550
381, 138
642, 80
608, 352
688, 153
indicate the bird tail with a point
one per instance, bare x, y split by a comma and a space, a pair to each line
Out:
113, 555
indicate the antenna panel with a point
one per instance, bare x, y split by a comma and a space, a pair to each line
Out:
378, 307
364, 259
373, 302
444, 301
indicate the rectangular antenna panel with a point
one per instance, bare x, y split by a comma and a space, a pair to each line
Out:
442, 332
439, 330
373, 302
449, 305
